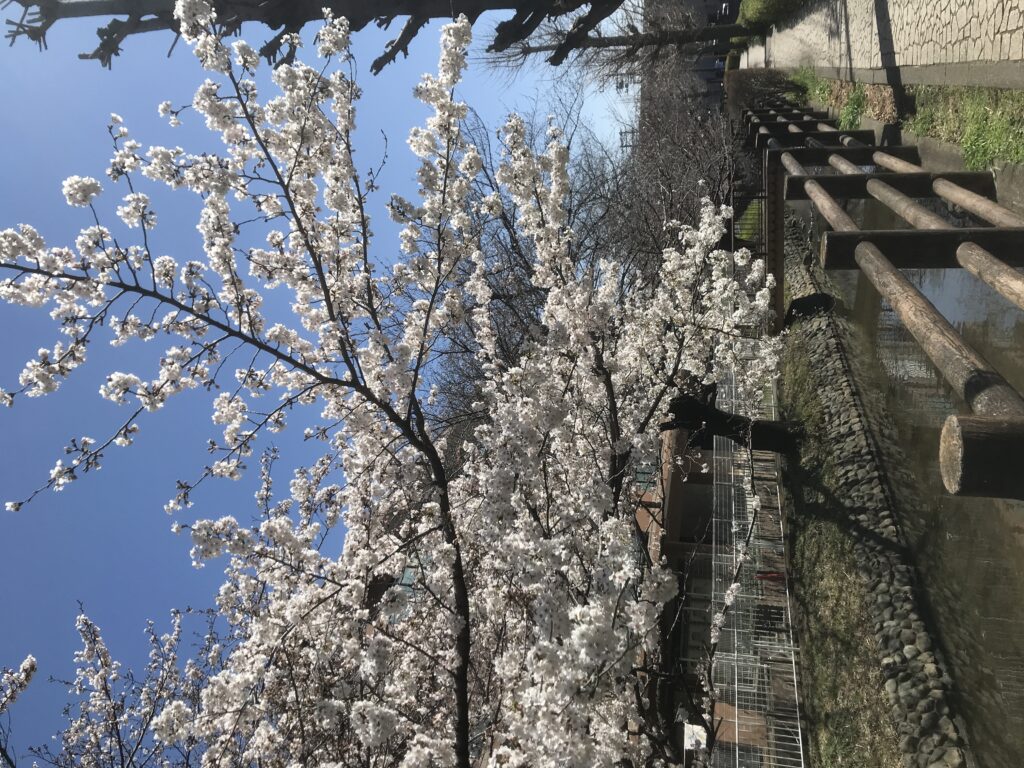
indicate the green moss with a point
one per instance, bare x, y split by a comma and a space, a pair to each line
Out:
801, 399
847, 717
988, 123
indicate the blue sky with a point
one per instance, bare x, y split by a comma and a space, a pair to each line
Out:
105, 540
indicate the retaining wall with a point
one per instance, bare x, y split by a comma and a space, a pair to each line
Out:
875, 686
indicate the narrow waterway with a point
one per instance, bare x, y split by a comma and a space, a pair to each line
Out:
969, 552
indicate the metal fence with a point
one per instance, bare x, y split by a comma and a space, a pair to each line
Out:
755, 669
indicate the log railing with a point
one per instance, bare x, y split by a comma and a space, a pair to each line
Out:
978, 453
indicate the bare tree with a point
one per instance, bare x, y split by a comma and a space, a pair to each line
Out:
640, 35
626, 49
578, 19
562, 26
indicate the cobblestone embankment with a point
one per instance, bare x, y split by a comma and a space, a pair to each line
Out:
875, 686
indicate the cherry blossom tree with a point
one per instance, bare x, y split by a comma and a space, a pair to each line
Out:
494, 602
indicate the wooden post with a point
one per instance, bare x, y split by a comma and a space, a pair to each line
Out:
797, 139
977, 204
976, 452
861, 155
982, 457
905, 207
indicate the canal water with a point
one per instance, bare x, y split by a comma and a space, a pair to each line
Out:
969, 552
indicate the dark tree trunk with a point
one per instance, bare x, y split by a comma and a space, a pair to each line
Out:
292, 15
656, 38
700, 413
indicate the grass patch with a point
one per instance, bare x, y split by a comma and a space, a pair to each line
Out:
747, 225
852, 101
847, 716
811, 87
988, 123
761, 14
853, 108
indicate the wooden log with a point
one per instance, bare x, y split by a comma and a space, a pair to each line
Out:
971, 377
887, 160
831, 210
922, 249
826, 137
780, 125
978, 204
904, 207
770, 113
973, 380
972, 256
976, 201
859, 155
982, 456
843, 165
823, 201
911, 184
791, 164
1005, 280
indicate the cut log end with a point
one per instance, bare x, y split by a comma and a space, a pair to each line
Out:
981, 456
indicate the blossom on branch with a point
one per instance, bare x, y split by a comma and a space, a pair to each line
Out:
494, 602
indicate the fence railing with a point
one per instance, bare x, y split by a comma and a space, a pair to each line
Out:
755, 670
979, 453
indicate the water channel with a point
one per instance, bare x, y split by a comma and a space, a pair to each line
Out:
969, 552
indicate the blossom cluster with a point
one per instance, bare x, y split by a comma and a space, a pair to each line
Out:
14, 681
494, 601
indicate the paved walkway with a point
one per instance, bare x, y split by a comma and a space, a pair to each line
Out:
964, 42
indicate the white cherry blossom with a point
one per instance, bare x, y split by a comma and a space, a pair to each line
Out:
494, 602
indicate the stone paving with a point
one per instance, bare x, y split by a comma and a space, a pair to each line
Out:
852, 35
